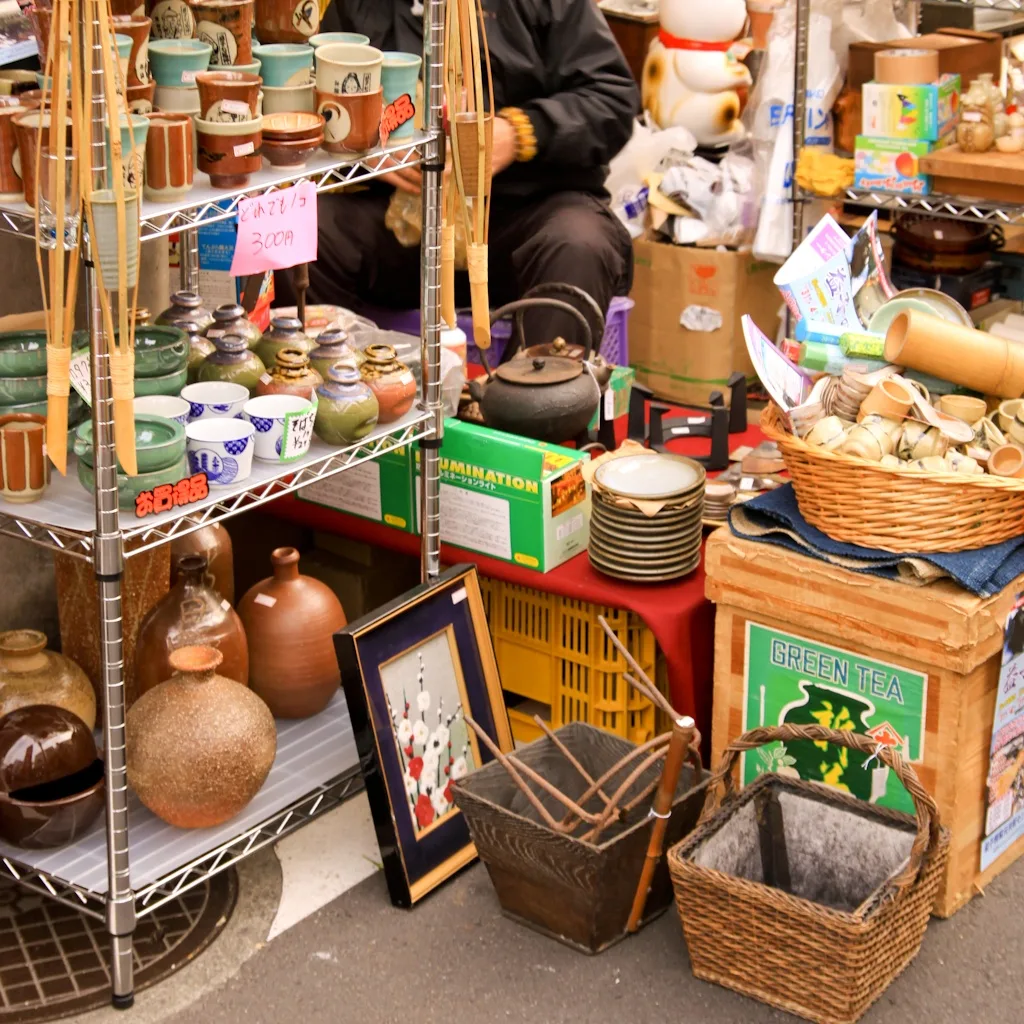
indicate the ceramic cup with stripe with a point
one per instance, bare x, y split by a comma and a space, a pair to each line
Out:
170, 156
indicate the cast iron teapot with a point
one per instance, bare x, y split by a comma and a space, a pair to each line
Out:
548, 398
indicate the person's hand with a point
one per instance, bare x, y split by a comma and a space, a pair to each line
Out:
405, 179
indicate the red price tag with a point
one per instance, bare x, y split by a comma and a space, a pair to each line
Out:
276, 231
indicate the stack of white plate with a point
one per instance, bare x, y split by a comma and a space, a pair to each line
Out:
629, 544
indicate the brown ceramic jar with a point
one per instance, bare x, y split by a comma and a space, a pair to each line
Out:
291, 375
199, 746
231, 319
215, 543
390, 380
191, 614
290, 621
186, 306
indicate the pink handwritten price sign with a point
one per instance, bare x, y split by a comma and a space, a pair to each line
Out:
276, 231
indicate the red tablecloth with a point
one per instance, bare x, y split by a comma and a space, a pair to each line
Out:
678, 614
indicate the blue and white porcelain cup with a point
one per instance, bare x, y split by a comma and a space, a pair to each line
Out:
222, 449
214, 399
166, 406
267, 414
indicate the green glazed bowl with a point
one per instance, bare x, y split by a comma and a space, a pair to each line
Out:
77, 409
159, 443
20, 390
167, 384
23, 353
159, 351
130, 487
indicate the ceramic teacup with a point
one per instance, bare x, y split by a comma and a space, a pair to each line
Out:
213, 399
252, 68
133, 149
10, 180
24, 467
177, 99
351, 122
400, 74
268, 414
140, 97
963, 407
220, 448
123, 43
138, 28
289, 100
170, 156
1006, 413
227, 26
172, 19
228, 95
178, 61
166, 406
229, 151
287, 21
285, 64
323, 38
347, 68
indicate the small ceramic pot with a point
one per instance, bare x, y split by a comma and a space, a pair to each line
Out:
159, 350
19, 390
222, 449
294, 155
285, 64
292, 127
347, 409
228, 95
169, 407
140, 97
214, 400
227, 26
186, 306
177, 99
1007, 412
233, 362
287, 21
963, 407
291, 99
159, 443
290, 375
353, 38
22, 353
269, 415
231, 319
164, 384
11, 188
138, 27
345, 69
399, 76
351, 123
1006, 460
172, 19
130, 487
198, 348
133, 150
105, 241
391, 381
178, 61
285, 332
332, 347
24, 468
229, 152
170, 157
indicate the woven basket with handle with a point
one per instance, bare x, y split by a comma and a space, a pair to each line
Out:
819, 961
895, 509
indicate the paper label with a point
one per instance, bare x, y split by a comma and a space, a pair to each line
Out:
406, 377
225, 605
609, 405
298, 432
459, 596
78, 371
972, 116
701, 318
244, 148
276, 231
265, 379
265, 599
357, 490
236, 107
188, 77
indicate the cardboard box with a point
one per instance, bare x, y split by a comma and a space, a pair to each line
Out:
911, 111
962, 51
510, 497
615, 397
685, 338
893, 165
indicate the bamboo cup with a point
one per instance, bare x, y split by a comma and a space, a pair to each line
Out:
963, 407
970, 358
889, 398
1006, 460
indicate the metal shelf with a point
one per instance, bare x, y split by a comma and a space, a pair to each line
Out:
205, 204
65, 517
316, 769
981, 5
954, 207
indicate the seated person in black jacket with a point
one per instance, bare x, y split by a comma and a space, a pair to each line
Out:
566, 102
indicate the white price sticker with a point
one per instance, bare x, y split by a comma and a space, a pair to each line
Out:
78, 370
236, 107
971, 116
265, 599
609, 405
244, 148
298, 433
188, 77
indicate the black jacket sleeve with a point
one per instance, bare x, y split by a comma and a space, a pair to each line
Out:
587, 114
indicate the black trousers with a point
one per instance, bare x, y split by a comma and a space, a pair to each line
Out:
569, 237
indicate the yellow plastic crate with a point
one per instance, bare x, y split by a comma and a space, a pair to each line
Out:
552, 651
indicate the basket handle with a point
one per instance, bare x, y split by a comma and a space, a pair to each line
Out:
926, 812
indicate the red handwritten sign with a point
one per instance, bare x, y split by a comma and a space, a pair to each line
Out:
168, 496
276, 231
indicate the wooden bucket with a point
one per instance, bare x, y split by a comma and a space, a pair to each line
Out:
575, 891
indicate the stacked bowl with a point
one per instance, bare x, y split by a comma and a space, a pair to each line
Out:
290, 139
646, 524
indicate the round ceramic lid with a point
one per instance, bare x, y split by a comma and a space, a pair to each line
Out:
650, 476
549, 370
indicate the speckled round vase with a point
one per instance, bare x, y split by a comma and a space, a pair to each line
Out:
30, 674
231, 319
200, 746
285, 332
390, 380
332, 346
347, 408
291, 375
198, 347
233, 363
290, 621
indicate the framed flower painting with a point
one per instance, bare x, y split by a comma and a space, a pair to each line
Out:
412, 671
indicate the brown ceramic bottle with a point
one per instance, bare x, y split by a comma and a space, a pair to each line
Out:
215, 543
30, 675
199, 746
390, 380
291, 375
290, 621
193, 613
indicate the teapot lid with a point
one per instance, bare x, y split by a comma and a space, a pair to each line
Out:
229, 311
558, 347
546, 370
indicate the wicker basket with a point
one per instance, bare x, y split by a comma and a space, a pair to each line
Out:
801, 896
899, 510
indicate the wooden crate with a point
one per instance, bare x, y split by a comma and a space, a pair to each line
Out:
940, 631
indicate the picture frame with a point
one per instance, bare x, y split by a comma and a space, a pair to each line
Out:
410, 670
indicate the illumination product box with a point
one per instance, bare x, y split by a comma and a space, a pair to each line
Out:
926, 112
510, 497
893, 165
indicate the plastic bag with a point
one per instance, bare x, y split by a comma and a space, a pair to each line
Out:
404, 218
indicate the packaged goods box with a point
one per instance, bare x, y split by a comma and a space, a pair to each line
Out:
894, 164
924, 112
685, 336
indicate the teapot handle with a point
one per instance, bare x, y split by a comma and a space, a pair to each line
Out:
583, 300
537, 303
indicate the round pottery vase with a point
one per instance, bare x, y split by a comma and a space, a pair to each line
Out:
291, 375
30, 674
231, 319
285, 332
214, 544
347, 409
186, 306
332, 346
198, 348
199, 745
290, 621
391, 381
233, 363
191, 614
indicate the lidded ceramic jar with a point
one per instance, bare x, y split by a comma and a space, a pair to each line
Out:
186, 306
233, 362
347, 408
285, 332
291, 375
332, 345
199, 745
290, 621
198, 347
192, 613
390, 380
30, 675
231, 319
214, 542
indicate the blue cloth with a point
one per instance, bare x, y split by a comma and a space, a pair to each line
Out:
984, 571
